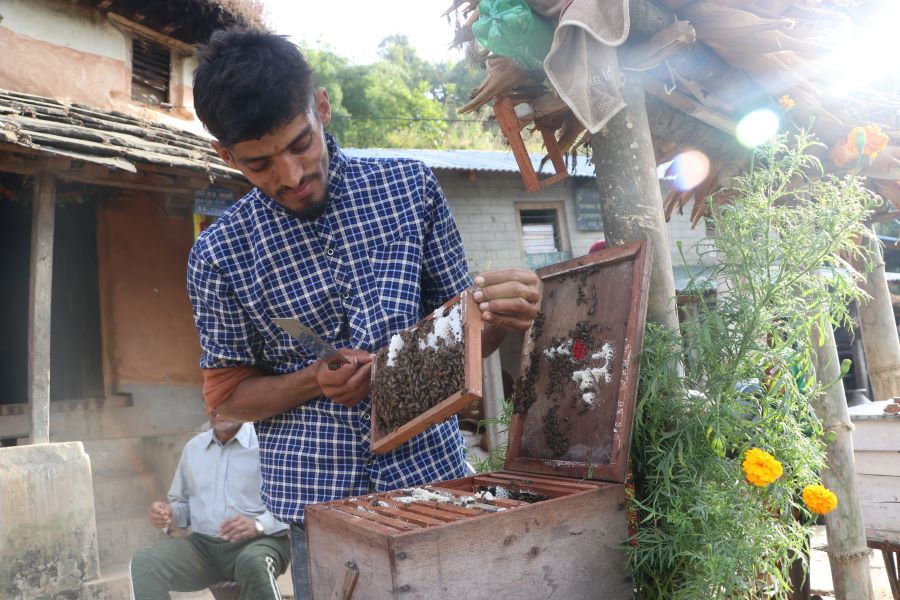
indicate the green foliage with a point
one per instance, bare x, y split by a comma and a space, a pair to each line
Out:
402, 100
495, 459
741, 378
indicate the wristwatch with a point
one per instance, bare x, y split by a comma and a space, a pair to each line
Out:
259, 527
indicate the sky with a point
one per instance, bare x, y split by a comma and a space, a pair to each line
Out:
354, 28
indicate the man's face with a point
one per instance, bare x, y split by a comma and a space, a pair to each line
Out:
289, 164
220, 424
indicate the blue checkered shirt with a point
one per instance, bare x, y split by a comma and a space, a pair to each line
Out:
383, 254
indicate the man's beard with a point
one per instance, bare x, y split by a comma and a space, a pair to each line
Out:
312, 211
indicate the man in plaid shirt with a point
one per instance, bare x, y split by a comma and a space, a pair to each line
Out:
357, 249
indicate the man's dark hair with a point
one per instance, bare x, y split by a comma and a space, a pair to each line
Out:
249, 83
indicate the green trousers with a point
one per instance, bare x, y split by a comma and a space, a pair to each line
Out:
197, 561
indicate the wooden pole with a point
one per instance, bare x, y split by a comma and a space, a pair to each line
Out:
879, 330
492, 400
847, 550
630, 197
40, 291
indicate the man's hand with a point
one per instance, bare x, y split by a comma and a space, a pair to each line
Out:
160, 514
238, 529
349, 384
508, 298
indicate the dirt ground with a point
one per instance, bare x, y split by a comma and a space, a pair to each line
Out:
820, 570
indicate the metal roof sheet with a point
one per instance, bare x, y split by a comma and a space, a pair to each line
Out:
469, 160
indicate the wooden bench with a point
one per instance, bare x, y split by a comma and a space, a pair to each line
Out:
876, 449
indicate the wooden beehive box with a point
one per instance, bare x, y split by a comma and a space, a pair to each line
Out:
469, 391
553, 523
876, 450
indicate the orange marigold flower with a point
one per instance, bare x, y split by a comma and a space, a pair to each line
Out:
819, 499
870, 138
786, 102
760, 467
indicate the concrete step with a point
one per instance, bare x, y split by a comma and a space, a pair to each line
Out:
115, 457
123, 494
113, 584
119, 537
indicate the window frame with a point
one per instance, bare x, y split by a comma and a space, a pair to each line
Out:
561, 224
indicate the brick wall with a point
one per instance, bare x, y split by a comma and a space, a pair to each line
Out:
485, 211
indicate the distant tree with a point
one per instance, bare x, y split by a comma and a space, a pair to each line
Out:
402, 100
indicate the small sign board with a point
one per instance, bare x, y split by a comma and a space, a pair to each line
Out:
587, 208
213, 201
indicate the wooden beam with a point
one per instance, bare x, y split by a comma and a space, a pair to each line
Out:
649, 54
144, 31
149, 178
688, 105
670, 123
40, 295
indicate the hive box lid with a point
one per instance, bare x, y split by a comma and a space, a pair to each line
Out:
573, 402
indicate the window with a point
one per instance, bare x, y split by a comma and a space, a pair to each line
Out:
151, 72
540, 230
544, 235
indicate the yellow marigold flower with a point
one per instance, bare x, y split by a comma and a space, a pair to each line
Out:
760, 467
819, 499
786, 102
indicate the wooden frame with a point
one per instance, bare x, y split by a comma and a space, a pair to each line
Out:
612, 426
511, 126
472, 326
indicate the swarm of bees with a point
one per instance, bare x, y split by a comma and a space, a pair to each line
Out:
417, 375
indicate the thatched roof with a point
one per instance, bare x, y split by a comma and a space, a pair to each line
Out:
190, 21
748, 54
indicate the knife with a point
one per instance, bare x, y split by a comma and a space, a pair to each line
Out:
310, 340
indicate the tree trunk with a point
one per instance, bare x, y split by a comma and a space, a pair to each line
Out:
630, 197
879, 330
847, 551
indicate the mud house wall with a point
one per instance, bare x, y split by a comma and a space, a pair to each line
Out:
52, 48
48, 537
151, 350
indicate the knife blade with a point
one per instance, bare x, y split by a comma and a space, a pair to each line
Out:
310, 340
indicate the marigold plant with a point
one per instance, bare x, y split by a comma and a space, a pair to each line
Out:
819, 499
739, 378
761, 468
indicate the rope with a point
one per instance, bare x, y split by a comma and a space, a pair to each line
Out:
839, 426
846, 557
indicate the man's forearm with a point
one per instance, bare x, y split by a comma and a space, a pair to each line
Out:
264, 396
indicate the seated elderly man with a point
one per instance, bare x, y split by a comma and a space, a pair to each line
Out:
215, 491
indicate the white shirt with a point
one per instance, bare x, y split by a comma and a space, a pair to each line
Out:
215, 481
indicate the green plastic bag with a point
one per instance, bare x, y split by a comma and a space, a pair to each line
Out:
511, 29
